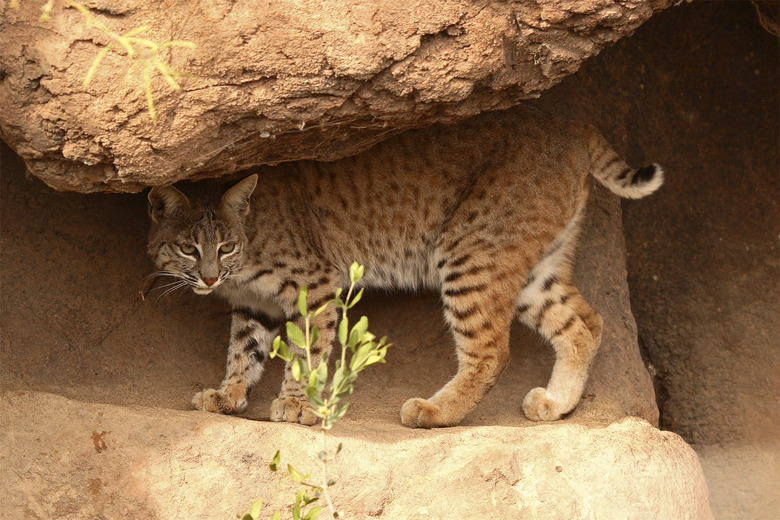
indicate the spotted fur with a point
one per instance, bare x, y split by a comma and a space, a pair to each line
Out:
486, 212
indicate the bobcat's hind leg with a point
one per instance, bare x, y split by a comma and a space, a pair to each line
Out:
479, 312
251, 335
559, 312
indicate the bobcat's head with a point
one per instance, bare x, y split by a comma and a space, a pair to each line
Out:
201, 242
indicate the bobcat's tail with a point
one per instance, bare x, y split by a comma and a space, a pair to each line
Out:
607, 166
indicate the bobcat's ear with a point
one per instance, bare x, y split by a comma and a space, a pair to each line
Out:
237, 197
163, 202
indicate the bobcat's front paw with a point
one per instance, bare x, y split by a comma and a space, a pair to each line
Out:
419, 413
215, 401
291, 409
539, 405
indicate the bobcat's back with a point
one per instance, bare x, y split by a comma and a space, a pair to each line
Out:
390, 207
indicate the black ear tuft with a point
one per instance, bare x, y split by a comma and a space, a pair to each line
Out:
164, 202
237, 197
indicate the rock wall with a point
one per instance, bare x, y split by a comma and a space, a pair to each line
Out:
697, 90
274, 81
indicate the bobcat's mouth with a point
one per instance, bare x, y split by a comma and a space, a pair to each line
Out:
204, 287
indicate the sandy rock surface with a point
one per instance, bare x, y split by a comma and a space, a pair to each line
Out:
275, 81
100, 461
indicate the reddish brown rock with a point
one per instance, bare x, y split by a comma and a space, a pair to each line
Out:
276, 81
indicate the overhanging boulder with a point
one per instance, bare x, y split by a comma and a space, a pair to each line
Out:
275, 81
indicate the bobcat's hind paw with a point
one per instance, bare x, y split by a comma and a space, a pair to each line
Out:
539, 405
215, 401
291, 409
420, 413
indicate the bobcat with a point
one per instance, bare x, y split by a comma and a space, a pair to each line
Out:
487, 212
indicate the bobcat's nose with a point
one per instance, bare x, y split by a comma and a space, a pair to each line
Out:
209, 281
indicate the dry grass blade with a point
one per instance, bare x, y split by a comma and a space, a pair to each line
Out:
95, 64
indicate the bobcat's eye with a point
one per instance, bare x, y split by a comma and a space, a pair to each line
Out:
227, 248
189, 249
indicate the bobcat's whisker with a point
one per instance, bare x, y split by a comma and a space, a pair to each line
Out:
165, 286
172, 289
155, 276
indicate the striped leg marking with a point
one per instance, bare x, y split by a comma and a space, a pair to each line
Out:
251, 335
561, 315
292, 405
479, 318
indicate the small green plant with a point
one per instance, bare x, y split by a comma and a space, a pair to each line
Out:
144, 55
326, 394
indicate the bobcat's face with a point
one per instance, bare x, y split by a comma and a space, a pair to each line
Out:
203, 254
201, 246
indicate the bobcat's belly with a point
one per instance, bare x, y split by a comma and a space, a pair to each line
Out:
409, 270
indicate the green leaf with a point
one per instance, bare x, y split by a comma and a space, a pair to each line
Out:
358, 361
295, 334
294, 474
314, 397
315, 335
331, 482
322, 376
275, 463
281, 349
341, 411
322, 309
313, 513
296, 369
343, 394
343, 330
302, 295
299, 497
338, 448
339, 377
307, 500
358, 331
323, 455
276, 516
356, 272
356, 299
373, 359
255, 511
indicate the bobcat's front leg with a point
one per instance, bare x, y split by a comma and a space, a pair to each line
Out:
292, 405
252, 333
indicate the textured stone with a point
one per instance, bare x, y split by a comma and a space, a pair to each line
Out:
88, 460
276, 81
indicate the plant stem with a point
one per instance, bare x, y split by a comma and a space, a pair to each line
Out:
324, 463
344, 307
308, 346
